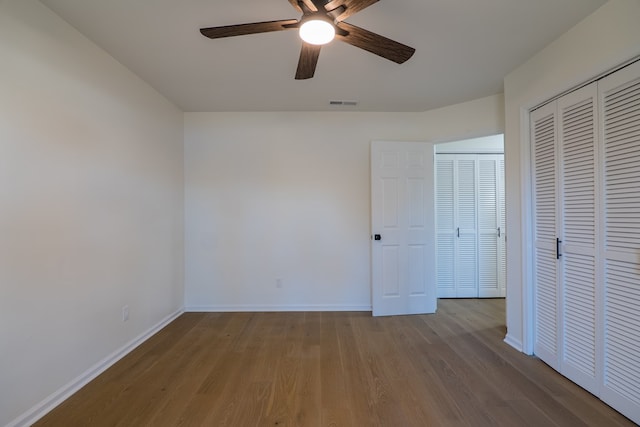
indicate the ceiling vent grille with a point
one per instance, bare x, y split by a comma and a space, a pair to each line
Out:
345, 103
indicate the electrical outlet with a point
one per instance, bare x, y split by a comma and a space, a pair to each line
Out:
279, 283
125, 313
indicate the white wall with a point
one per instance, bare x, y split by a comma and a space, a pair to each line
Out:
287, 195
91, 214
485, 144
605, 39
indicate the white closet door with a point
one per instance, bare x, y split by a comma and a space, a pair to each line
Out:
488, 223
546, 267
456, 226
445, 227
577, 133
466, 231
470, 225
619, 101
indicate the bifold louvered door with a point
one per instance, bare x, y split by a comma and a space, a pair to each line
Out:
445, 227
619, 103
491, 231
565, 165
544, 135
470, 225
578, 234
586, 205
466, 228
456, 226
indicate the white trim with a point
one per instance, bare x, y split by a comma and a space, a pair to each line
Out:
273, 308
513, 342
45, 406
526, 193
479, 152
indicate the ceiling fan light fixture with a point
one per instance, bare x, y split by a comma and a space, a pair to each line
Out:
320, 22
317, 31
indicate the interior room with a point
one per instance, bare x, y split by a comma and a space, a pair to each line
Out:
152, 176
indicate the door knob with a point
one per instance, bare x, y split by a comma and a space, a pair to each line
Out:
377, 237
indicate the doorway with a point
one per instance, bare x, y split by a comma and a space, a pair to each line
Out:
470, 218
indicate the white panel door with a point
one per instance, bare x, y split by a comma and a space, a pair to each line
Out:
619, 103
578, 157
546, 267
403, 235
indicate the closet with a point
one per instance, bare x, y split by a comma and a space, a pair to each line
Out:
586, 206
470, 225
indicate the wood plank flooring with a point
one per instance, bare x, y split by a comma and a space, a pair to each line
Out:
334, 369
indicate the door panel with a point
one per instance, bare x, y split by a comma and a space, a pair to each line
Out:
619, 102
466, 187
488, 223
417, 271
445, 227
390, 270
467, 256
467, 266
577, 134
546, 268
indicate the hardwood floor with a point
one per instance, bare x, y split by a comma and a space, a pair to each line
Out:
334, 369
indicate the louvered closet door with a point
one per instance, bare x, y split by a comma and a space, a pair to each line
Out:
577, 134
456, 226
470, 224
456, 223
546, 271
466, 232
488, 224
445, 227
619, 101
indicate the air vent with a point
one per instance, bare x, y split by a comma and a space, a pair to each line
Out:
345, 103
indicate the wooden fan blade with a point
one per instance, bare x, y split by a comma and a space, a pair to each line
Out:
310, 5
243, 29
309, 55
351, 7
295, 5
374, 43
307, 6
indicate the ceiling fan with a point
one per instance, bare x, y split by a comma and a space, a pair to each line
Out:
321, 21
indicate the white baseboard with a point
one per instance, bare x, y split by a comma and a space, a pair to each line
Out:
59, 396
517, 344
274, 308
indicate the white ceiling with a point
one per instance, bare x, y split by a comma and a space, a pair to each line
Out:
464, 48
